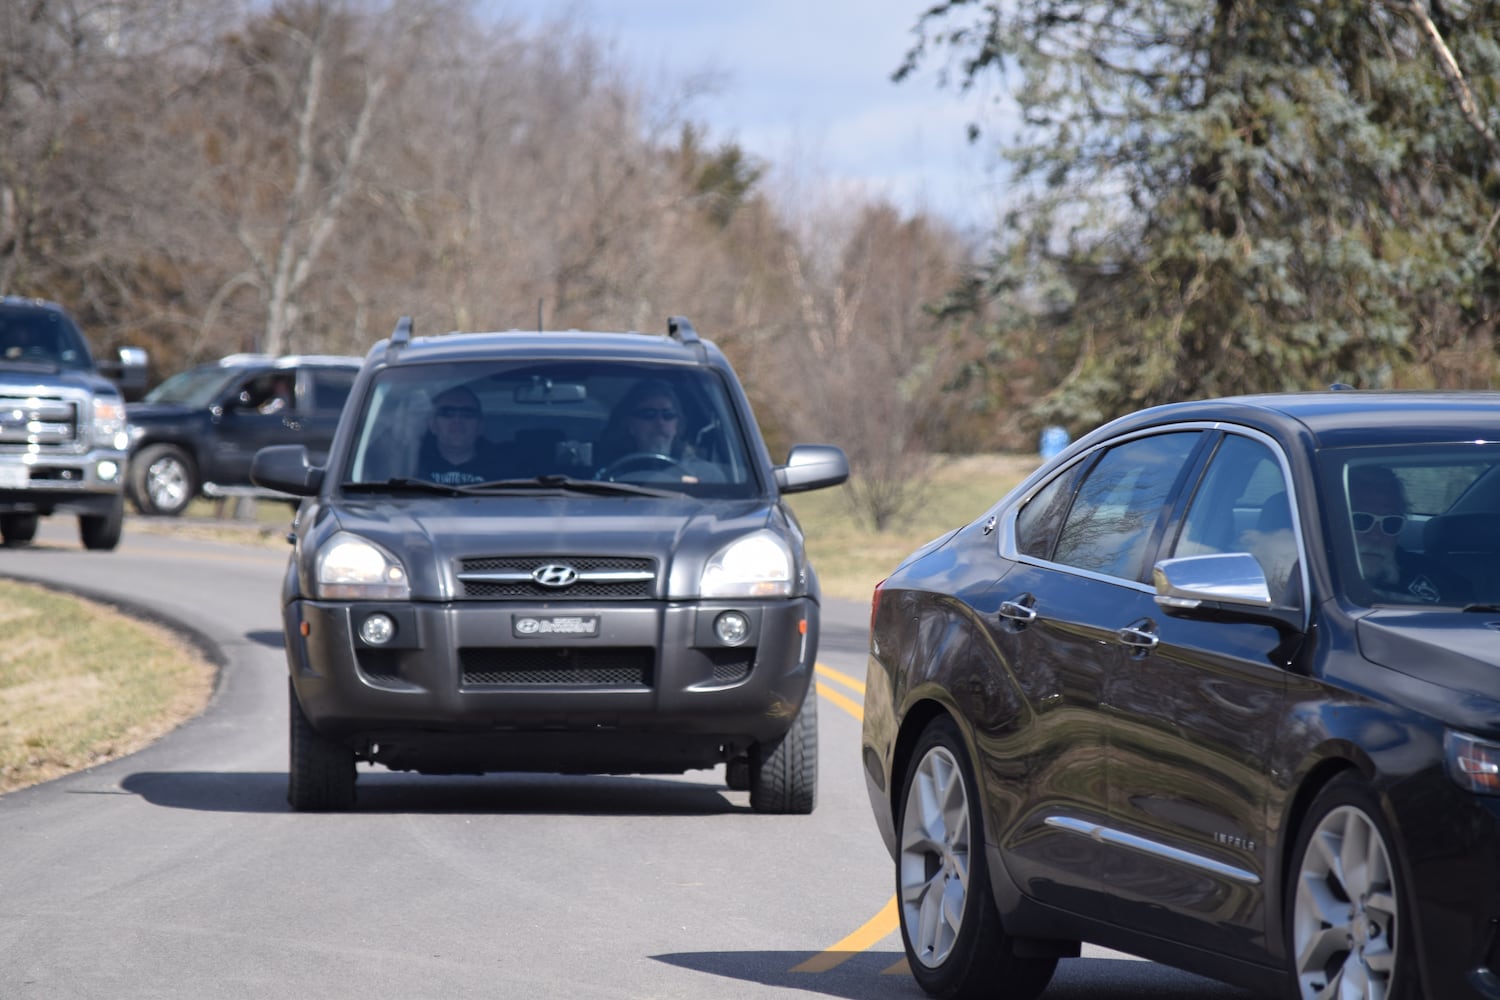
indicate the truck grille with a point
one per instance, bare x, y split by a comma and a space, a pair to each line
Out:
598, 577
38, 421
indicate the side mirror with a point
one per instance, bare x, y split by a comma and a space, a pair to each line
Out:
128, 370
1225, 587
286, 467
812, 467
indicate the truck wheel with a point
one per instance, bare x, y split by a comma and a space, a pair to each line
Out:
18, 529
102, 531
162, 479
321, 777
784, 777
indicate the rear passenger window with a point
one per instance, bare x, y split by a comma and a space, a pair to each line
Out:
331, 388
1121, 503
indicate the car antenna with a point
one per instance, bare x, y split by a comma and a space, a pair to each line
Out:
539, 326
1340, 386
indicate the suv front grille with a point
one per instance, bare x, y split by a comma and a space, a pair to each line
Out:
604, 667
608, 577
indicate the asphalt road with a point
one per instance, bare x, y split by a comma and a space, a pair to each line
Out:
179, 872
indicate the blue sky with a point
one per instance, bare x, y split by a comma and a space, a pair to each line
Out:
805, 85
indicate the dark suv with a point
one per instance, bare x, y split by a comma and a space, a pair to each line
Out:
197, 432
550, 552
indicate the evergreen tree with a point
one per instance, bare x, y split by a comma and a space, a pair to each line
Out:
1216, 196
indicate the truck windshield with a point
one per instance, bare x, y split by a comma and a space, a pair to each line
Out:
41, 337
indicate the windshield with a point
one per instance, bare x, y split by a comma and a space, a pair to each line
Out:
563, 423
41, 337
1416, 524
194, 387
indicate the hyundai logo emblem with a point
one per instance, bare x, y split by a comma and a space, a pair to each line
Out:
555, 575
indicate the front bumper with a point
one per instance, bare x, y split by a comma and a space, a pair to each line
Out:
472, 687
86, 482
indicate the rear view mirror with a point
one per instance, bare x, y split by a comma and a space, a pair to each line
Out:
541, 392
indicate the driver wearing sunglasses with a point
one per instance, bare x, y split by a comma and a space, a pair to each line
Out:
1378, 512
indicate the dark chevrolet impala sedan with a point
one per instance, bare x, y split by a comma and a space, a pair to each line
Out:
1219, 686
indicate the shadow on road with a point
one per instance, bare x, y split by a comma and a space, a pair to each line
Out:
267, 637
882, 975
380, 791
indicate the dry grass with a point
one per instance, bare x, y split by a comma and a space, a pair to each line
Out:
103, 686
851, 558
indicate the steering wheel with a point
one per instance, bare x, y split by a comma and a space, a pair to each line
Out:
639, 461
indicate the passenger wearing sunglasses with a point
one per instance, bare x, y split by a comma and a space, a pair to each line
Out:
645, 439
1377, 515
454, 453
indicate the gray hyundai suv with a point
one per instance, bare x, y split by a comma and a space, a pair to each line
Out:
550, 552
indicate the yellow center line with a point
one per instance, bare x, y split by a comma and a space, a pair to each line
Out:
851, 683
876, 929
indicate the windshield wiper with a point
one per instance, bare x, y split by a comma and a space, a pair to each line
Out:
1482, 607
418, 485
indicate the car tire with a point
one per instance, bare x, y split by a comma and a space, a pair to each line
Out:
163, 479
18, 529
321, 775
956, 945
101, 532
1346, 887
784, 776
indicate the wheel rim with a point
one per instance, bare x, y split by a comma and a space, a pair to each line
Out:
1344, 921
933, 869
166, 483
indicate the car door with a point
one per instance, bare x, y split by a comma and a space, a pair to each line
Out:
1194, 710
253, 413
1080, 546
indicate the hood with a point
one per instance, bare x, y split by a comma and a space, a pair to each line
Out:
41, 377
1456, 652
431, 534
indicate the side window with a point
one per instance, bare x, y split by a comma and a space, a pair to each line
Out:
1120, 504
1038, 522
331, 388
1241, 506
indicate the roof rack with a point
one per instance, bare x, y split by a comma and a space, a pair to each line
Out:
401, 336
681, 328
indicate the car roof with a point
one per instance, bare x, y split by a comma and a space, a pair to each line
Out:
285, 361
1344, 417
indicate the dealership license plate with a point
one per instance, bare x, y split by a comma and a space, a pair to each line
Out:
14, 477
585, 626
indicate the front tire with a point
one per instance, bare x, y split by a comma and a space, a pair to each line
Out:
784, 777
1347, 902
102, 531
956, 946
18, 529
321, 775
163, 479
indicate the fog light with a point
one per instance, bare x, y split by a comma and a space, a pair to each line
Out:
107, 471
377, 630
732, 628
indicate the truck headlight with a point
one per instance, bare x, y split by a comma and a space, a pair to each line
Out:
354, 568
756, 565
109, 422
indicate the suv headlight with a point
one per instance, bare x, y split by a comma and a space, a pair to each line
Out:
109, 423
756, 565
355, 568
1473, 763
